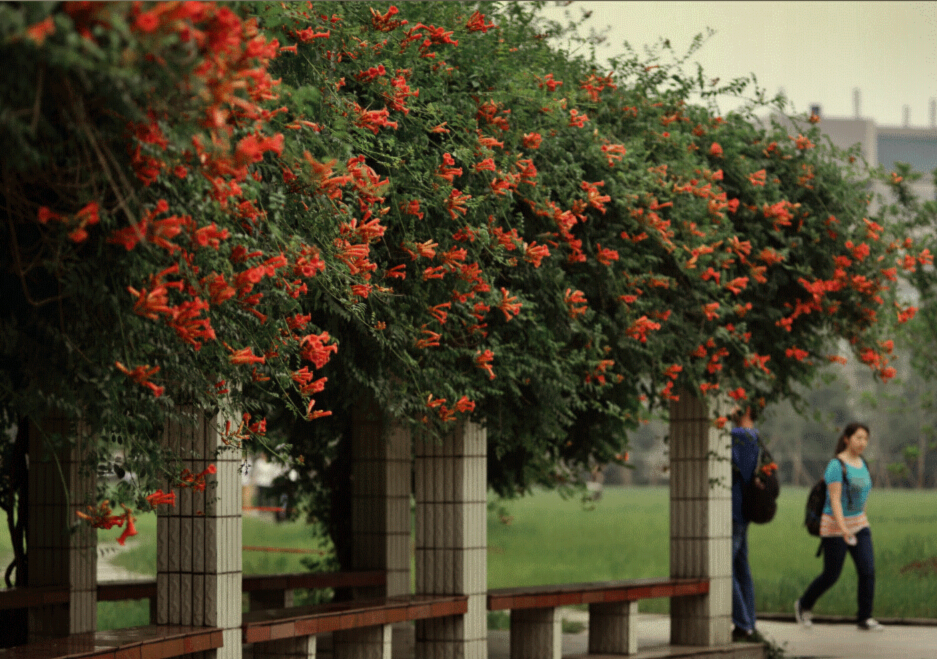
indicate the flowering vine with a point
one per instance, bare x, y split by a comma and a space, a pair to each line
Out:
311, 204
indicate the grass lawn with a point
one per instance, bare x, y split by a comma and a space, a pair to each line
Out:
626, 536
256, 532
904, 535
554, 540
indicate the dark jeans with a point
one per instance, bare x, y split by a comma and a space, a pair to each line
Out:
743, 589
834, 555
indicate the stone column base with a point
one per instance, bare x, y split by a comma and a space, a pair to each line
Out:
363, 643
536, 634
613, 628
287, 648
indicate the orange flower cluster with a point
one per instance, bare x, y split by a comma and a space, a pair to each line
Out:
197, 481
769, 468
141, 375
447, 415
102, 517
76, 223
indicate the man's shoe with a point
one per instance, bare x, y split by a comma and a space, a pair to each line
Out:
804, 617
871, 624
742, 636
756, 637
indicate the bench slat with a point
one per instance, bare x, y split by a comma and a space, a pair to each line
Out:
21, 598
550, 596
273, 624
314, 580
146, 588
153, 641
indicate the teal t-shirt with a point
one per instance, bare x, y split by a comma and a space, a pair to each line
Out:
860, 483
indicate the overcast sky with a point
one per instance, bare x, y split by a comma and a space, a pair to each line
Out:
818, 52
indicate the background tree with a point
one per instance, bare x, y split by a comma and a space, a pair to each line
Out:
917, 338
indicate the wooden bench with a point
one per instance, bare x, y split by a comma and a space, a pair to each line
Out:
536, 631
359, 627
265, 591
24, 598
147, 642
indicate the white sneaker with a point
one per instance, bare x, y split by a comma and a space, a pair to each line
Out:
805, 618
871, 624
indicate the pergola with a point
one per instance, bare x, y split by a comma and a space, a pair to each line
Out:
199, 540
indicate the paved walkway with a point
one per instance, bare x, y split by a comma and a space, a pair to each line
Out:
108, 570
844, 641
822, 641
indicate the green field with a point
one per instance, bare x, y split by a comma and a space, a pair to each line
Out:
257, 532
625, 535
904, 534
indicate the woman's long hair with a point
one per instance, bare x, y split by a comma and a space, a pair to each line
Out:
848, 432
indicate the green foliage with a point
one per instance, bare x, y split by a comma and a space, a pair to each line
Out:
674, 268
138, 277
485, 226
916, 338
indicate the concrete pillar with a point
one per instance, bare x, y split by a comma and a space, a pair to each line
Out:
380, 514
700, 523
302, 647
62, 551
613, 628
363, 643
451, 540
198, 567
537, 634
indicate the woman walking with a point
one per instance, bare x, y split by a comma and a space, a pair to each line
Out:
844, 528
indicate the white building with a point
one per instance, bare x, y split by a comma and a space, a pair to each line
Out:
887, 145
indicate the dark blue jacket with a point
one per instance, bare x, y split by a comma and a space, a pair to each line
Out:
745, 458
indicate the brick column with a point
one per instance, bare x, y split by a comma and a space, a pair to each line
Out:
700, 523
451, 540
198, 560
374, 642
538, 634
613, 628
303, 647
380, 510
61, 551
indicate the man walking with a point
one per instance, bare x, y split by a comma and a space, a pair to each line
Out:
744, 461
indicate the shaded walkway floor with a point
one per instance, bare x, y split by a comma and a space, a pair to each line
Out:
653, 642
844, 641
822, 641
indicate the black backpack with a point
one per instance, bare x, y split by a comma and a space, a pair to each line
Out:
760, 493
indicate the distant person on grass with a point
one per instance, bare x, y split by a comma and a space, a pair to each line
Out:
844, 528
744, 461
